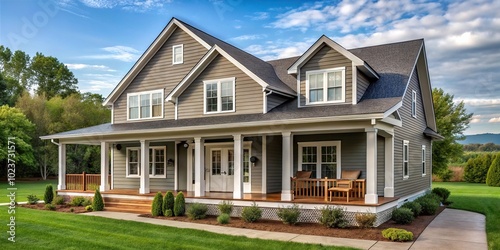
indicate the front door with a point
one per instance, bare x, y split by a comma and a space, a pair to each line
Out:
222, 170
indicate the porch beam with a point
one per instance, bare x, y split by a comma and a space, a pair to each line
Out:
144, 178
287, 166
389, 167
238, 167
199, 167
371, 196
62, 167
104, 166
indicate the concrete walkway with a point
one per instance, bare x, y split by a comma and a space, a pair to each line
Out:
452, 229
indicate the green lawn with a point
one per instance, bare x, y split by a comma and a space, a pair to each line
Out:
24, 188
38, 229
477, 198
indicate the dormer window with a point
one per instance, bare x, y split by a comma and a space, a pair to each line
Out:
145, 105
325, 86
177, 54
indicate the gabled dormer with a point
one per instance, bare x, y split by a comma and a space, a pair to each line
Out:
327, 74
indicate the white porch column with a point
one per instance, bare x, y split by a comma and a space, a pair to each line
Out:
238, 167
199, 167
104, 166
371, 196
287, 166
389, 167
144, 179
62, 167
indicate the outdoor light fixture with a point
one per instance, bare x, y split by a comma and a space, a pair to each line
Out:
119, 146
186, 145
253, 160
170, 162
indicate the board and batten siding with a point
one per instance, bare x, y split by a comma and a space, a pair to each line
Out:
120, 181
362, 85
412, 131
326, 58
160, 73
274, 166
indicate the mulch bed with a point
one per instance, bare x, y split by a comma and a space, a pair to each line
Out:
59, 208
416, 227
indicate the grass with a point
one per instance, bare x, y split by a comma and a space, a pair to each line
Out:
24, 188
477, 198
38, 229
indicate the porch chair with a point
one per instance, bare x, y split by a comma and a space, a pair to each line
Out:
351, 175
300, 175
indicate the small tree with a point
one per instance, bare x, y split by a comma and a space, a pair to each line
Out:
97, 202
476, 169
156, 207
179, 204
168, 204
493, 178
49, 194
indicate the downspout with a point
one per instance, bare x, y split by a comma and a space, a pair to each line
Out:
52, 140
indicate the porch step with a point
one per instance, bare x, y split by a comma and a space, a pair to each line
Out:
127, 205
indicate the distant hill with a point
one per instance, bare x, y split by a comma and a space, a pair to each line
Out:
481, 138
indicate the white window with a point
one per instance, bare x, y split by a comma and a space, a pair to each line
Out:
157, 162
178, 54
322, 158
406, 155
414, 103
219, 96
325, 86
423, 160
145, 105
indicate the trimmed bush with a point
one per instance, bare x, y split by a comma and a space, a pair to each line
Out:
396, 234
251, 214
49, 194
58, 200
402, 215
197, 211
168, 204
333, 217
365, 220
97, 202
89, 208
429, 205
50, 206
443, 193
414, 207
72, 210
223, 219
289, 215
493, 177
32, 199
179, 204
80, 201
476, 169
225, 207
156, 206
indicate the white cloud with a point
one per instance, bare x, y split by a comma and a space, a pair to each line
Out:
247, 37
132, 5
496, 119
479, 102
121, 53
475, 120
259, 16
78, 66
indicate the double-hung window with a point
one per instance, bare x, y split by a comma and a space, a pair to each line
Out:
178, 54
145, 105
406, 155
321, 158
157, 162
325, 86
423, 161
219, 96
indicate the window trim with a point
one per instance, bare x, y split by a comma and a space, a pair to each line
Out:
128, 175
414, 104
150, 92
318, 145
424, 161
407, 153
219, 97
182, 53
325, 85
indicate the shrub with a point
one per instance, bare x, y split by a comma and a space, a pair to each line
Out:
289, 215
50, 206
197, 211
78, 201
365, 220
493, 176
428, 204
89, 208
49, 194
402, 215
223, 219
445, 174
72, 210
168, 204
396, 234
179, 204
251, 214
414, 207
58, 200
333, 217
443, 193
97, 202
32, 199
156, 206
225, 207
476, 169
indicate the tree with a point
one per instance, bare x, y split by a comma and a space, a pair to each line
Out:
15, 70
493, 177
51, 77
451, 120
4, 96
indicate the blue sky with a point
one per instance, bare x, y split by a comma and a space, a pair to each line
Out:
99, 40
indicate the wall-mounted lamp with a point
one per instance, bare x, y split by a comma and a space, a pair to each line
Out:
186, 145
170, 162
253, 160
119, 146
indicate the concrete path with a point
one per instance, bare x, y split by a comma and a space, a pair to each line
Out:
452, 229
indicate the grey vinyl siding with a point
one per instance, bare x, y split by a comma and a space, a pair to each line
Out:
412, 130
274, 166
160, 73
248, 93
122, 182
256, 171
182, 166
274, 100
327, 58
362, 84
380, 165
